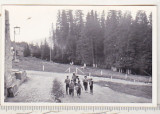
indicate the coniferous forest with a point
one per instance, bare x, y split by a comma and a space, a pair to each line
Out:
112, 39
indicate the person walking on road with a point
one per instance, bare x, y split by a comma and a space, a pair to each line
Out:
67, 81
77, 79
85, 83
78, 88
71, 88
91, 86
74, 78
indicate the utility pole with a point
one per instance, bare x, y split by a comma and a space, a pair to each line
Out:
50, 54
50, 46
14, 45
51, 43
93, 52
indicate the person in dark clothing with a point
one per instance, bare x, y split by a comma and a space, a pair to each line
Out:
67, 81
78, 88
85, 83
91, 86
74, 78
71, 88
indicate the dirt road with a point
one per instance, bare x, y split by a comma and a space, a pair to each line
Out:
39, 85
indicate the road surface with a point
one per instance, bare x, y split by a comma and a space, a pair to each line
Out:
38, 88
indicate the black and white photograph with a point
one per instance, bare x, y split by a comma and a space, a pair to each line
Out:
79, 54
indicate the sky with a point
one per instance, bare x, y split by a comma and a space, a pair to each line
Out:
35, 22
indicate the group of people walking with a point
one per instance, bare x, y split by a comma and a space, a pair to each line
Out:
75, 84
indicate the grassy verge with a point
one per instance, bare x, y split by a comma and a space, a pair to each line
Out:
31, 63
136, 90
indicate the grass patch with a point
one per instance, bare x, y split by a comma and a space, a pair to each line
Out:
32, 63
136, 90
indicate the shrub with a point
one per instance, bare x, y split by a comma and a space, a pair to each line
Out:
57, 90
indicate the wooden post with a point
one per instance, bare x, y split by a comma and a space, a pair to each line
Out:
43, 67
101, 73
76, 70
69, 70
125, 76
50, 54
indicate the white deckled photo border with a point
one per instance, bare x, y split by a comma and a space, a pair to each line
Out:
154, 70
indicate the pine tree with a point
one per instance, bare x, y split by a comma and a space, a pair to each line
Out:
147, 50
45, 51
86, 50
110, 46
71, 38
123, 61
117, 41
79, 26
62, 30
99, 32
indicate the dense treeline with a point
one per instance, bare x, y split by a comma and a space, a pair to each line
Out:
26, 51
108, 40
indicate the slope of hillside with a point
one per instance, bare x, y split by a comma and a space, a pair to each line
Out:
32, 63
